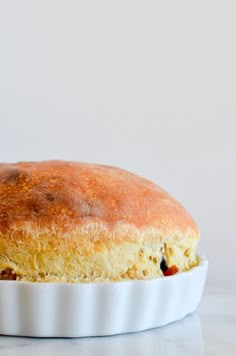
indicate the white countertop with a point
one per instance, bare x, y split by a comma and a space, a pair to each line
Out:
211, 330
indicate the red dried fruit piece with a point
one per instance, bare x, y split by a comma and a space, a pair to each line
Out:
171, 270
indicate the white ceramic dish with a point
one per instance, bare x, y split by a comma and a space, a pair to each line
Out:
96, 309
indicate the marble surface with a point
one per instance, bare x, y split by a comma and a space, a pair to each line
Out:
211, 330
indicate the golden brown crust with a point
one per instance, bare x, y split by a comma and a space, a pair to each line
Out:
68, 221
68, 193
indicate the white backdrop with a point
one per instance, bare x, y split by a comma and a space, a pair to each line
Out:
146, 85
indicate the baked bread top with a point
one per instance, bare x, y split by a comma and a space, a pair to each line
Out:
64, 194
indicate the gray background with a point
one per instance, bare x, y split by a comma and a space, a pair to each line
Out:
144, 85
